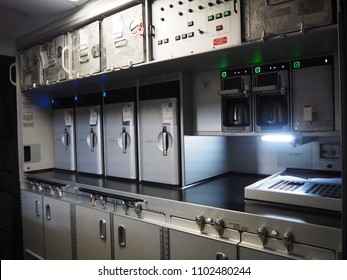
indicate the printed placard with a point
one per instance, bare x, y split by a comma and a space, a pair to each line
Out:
93, 116
68, 118
169, 113
127, 114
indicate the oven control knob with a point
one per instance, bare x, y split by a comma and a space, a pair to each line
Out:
219, 226
288, 241
200, 221
262, 234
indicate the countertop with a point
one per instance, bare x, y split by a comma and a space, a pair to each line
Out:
224, 192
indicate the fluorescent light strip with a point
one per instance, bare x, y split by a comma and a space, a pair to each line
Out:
283, 138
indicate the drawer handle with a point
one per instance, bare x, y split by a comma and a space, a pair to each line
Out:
221, 256
121, 236
37, 208
48, 212
102, 225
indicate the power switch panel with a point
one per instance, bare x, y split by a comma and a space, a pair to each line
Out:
205, 26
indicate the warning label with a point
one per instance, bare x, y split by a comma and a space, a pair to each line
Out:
220, 41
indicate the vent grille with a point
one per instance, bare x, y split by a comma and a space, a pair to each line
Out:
317, 189
325, 190
284, 185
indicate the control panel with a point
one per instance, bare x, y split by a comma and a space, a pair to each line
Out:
185, 27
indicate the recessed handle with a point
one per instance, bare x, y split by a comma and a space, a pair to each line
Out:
102, 228
121, 236
37, 208
48, 212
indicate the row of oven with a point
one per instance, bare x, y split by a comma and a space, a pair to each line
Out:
160, 30
98, 134
296, 95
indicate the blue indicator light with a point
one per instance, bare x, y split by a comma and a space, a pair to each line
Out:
76, 98
52, 101
104, 93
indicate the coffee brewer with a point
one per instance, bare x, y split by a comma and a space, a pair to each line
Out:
271, 97
236, 100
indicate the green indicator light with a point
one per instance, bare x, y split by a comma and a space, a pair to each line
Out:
296, 64
227, 13
257, 70
210, 18
224, 74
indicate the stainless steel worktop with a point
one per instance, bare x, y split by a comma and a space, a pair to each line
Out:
222, 192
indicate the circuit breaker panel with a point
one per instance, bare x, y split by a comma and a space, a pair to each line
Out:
185, 27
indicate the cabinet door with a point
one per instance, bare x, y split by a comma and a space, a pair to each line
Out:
57, 229
253, 254
32, 217
93, 230
186, 246
136, 240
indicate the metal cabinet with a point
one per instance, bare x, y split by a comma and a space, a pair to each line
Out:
253, 254
253, 248
93, 232
57, 229
136, 239
46, 227
188, 246
32, 219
